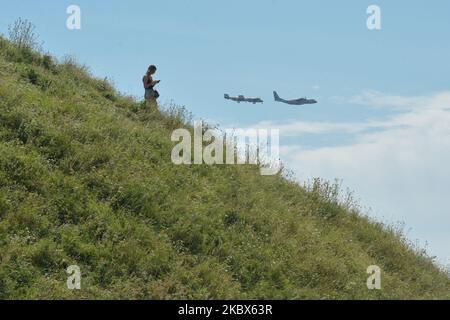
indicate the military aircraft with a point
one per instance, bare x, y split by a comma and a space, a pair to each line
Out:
241, 98
297, 102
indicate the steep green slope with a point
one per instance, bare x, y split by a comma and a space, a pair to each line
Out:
86, 179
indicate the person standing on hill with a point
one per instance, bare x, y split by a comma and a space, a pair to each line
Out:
150, 93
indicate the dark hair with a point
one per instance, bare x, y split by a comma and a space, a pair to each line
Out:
152, 68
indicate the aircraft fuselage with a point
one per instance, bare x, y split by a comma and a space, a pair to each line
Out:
241, 98
297, 102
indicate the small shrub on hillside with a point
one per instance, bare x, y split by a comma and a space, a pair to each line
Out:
37, 78
22, 33
75, 70
107, 89
176, 116
332, 192
71, 62
49, 63
329, 198
21, 55
32, 76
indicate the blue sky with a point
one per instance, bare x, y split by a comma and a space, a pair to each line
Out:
382, 120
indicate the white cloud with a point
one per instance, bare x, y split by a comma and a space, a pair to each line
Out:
377, 99
401, 169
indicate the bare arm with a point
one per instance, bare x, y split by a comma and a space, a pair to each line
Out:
155, 82
149, 84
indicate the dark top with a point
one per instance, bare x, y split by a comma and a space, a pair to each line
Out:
149, 80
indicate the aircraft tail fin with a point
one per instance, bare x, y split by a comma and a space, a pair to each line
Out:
276, 96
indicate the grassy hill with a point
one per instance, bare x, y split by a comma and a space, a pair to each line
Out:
86, 179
